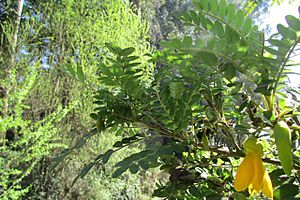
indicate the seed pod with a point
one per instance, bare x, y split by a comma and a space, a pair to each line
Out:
283, 142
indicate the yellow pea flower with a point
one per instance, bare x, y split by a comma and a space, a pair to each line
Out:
251, 173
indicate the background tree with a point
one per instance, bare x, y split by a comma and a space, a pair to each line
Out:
207, 98
46, 107
189, 116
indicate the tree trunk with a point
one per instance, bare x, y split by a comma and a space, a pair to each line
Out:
17, 24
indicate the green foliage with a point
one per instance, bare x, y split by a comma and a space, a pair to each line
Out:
49, 106
208, 96
98, 183
34, 141
106, 23
188, 116
163, 20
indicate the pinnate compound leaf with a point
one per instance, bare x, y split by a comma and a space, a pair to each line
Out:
230, 35
239, 19
161, 192
209, 24
202, 20
118, 144
207, 57
86, 169
218, 29
105, 70
119, 171
176, 89
80, 143
114, 49
59, 158
265, 87
230, 13
127, 51
222, 8
293, 22
83, 172
80, 73
133, 158
186, 16
107, 155
280, 43
130, 58
214, 6
247, 26
71, 70
204, 5
286, 32
195, 17
143, 164
229, 71
134, 168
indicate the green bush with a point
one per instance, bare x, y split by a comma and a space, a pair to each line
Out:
206, 99
46, 108
29, 142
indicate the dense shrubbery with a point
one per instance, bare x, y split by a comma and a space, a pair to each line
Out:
205, 100
80, 75
46, 109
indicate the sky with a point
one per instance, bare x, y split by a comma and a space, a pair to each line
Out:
278, 12
277, 15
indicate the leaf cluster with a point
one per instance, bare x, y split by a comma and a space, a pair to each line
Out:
206, 97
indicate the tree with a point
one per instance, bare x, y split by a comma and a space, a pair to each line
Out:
23, 143
46, 108
208, 97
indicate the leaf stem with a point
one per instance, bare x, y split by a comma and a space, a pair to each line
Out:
283, 65
224, 153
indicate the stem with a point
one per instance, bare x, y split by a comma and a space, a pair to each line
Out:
160, 101
283, 65
219, 150
227, 129
227, 24
224, 153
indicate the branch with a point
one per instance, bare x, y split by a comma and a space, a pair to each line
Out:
17, 24
225, 153
219, 150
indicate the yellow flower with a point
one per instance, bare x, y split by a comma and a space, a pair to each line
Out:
251, 173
